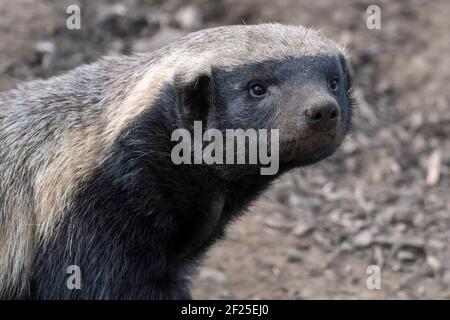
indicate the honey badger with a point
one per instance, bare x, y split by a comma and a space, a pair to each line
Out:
86, 176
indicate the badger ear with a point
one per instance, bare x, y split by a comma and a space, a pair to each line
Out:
347, 71
194, 99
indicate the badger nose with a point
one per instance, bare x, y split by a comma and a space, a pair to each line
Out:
322, 115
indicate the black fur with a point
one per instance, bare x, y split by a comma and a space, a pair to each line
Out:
138, 225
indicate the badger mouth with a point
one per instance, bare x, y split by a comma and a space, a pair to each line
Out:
309, 148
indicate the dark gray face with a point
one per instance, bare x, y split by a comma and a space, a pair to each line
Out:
308, 99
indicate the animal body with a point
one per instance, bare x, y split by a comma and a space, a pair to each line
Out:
86, 176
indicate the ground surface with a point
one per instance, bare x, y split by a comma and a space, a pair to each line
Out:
316, 231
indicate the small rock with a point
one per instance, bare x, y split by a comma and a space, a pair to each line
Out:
434, 263
189, 18
303, 245
277, 222
212, 275
378, 255
117, 9
400, 227
396, 267
47, 51
355, 280
302, 228
434, 168
323, 240
406, 255
45, 47
346, 246
294, 255
363, 239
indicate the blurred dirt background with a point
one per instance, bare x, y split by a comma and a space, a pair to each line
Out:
382, 200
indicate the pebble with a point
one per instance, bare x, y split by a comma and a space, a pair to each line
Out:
277, 222
46, 47
355, 280
434, 263
396, 267
302, 228
363, 239
406, 255
189, 18
294, 255
212, 275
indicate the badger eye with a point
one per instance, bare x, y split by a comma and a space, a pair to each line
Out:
334, 84
257, 90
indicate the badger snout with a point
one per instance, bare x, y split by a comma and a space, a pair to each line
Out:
313, 131
322, 115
